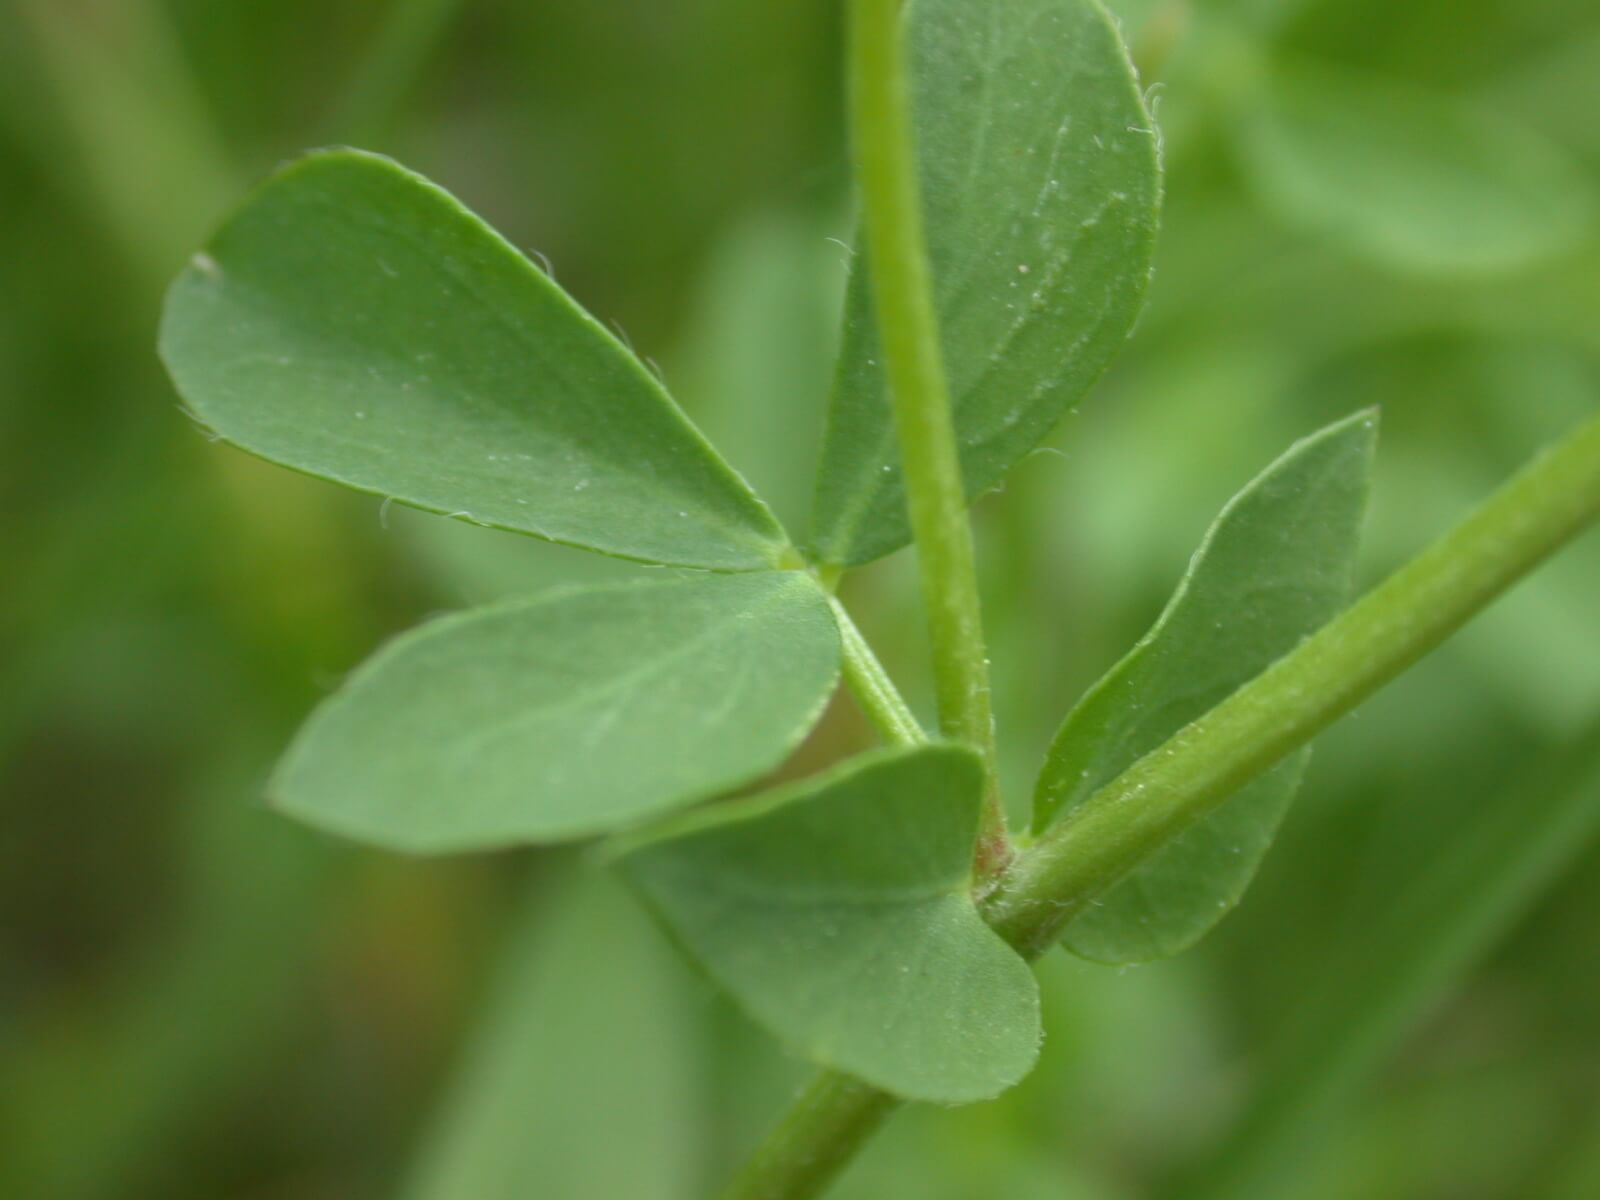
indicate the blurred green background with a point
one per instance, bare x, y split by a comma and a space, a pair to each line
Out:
1390, 203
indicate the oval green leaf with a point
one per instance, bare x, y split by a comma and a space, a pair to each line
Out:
568, 715
839, 914
1424, 182
1040, 186
1274, 567
353, 321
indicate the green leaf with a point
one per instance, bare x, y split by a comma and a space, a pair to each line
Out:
1275, 566
1040, 185
567, 715
839, 914
590, 1040
353, 321
1425, 182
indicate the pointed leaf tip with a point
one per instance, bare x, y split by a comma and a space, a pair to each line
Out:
353, 321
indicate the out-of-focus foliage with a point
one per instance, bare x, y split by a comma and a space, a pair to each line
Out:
198, 999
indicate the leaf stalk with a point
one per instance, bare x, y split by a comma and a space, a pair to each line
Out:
831, 1119
872, 686
881, 131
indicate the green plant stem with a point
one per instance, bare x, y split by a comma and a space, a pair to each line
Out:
935, 495
1544, 506
872, 687
1377, 638
817, 1137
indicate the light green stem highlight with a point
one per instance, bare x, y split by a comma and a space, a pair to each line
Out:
1376, 639
816, 1139
872, 687
908, 327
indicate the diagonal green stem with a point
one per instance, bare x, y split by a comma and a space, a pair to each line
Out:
872, 687
1547, 504
1377, 638
816, 1139
903, 294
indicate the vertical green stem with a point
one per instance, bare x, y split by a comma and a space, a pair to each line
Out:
908, 326
814, 1141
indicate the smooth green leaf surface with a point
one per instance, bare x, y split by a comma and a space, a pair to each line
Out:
567, 715
590, 1041
355, 322
1424, 182
1275, 566
1040, 185
839, 914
